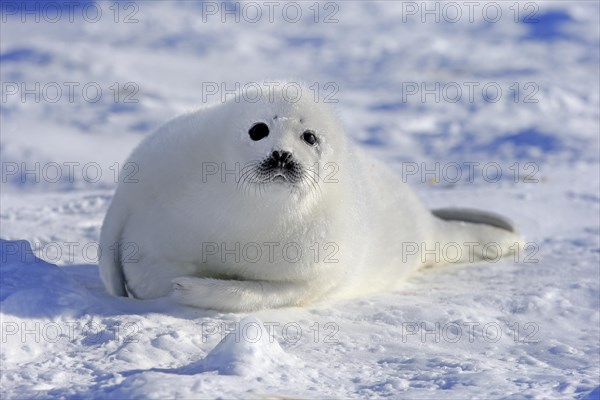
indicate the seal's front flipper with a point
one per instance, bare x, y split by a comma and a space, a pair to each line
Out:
475, 217
236, 296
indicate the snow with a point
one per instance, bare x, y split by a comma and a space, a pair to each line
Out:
525, 328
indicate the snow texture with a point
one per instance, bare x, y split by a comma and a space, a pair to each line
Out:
525, 328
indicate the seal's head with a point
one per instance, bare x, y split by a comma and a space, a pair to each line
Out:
291, 142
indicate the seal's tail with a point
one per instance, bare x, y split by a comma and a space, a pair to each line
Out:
467, 235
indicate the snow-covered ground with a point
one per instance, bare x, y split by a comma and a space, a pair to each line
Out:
517, 92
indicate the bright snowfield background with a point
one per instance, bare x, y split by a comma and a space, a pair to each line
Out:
527, 329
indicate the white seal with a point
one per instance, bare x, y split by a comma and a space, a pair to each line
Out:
262, 201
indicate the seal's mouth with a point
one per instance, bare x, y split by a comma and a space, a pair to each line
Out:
279, 170
279, 178
275, 170
290, 174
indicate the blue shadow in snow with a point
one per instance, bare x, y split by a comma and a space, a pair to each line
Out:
25, 55
374, 138
389, 106
524, 141
306, 41
593, 395
547, 26
43, 7
31, 287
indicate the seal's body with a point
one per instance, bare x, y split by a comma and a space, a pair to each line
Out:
247, 205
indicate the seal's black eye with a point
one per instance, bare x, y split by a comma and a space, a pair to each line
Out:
259, 131
310, 138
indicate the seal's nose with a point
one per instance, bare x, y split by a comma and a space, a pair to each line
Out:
281, 157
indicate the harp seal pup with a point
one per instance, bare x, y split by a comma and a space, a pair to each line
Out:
250, 204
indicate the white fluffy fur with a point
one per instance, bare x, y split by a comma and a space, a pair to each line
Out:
165, 219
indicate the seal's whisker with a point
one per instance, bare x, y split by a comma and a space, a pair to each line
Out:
312, 182
246, 171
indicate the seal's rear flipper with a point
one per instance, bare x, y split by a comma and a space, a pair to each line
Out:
474, 217
475, 235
